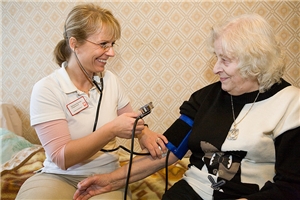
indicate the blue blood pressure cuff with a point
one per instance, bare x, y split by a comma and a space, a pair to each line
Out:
178, 134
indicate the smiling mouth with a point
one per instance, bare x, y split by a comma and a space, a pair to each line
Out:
103, 61
223, 79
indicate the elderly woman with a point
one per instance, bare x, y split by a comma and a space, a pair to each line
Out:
243, 131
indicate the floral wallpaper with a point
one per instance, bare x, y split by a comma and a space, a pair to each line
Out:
161, 56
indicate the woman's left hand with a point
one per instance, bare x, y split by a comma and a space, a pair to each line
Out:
92, 186
154, 142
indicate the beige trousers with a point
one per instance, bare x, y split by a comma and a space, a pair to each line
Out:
59, 187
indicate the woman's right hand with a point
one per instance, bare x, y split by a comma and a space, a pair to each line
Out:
122, 125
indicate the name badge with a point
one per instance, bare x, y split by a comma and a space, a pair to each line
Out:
77, 106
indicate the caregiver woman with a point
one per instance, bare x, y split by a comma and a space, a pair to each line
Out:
81, 108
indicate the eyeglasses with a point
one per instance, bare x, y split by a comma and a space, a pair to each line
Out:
105, 46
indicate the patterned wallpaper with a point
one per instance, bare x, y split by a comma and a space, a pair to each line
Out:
161, 56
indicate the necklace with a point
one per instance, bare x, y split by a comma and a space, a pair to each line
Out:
234, 132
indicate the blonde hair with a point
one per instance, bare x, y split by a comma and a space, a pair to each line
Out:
251, 40
83, 21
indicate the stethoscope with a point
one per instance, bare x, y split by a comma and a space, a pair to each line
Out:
93, 82
100, 89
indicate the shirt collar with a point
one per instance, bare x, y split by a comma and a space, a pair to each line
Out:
65, 80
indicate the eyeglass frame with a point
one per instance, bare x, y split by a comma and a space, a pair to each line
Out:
105, 47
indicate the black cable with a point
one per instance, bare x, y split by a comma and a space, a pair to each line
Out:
131, 156
166, 168
124, 148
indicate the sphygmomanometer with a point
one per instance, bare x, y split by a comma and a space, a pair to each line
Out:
178, 134
178, 144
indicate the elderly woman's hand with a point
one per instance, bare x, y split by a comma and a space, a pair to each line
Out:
154, 142
92, 186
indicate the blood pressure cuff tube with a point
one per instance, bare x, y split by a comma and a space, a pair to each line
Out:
178, 134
